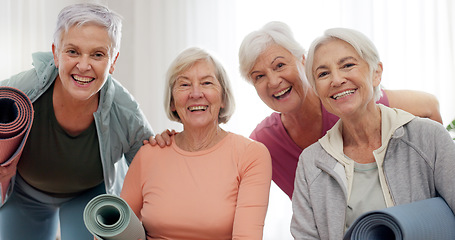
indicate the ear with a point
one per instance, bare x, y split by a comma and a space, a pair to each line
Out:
55, 53
377, 75
111, 69
303, 59
172, 106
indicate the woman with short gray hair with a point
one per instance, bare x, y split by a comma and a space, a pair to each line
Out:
85, 126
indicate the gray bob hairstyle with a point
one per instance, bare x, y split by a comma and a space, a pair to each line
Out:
89, 13
363, 46
184, 61
256, 42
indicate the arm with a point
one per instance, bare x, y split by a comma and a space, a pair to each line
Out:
253, 195
444, 164
303, 225
132, 186
418, 103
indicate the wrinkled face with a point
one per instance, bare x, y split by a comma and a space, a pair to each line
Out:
342, 78
84, 60
276, 79
197, 96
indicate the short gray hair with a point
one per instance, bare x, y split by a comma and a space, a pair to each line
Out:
363, 46
184, 61
90, 13
256, 42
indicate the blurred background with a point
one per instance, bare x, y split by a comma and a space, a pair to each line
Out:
415, 39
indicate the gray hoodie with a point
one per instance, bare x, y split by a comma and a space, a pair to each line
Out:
415, 163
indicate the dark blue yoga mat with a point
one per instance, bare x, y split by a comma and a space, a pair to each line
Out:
422, 220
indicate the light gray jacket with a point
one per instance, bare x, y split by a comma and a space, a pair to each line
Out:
121, 126
417, 165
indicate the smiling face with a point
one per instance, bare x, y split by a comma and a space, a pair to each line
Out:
276, 79
197, 96
342, 78
84, 61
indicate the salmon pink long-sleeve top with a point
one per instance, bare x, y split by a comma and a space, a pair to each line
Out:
218, 193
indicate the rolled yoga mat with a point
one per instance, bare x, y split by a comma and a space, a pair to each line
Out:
16, 118
109, 217
422, 220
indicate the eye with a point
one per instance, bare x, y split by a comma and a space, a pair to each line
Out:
259, 76
279, 66
98, 55
71, 52
348, 65
206, 83
322, 74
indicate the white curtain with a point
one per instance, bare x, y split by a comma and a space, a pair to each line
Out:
415, 39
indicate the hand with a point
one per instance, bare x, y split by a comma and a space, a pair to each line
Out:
163, 139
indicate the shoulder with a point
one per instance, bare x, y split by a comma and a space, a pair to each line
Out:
37, 79
419, 103
120, 95
312, 152
423, 133
119, 103
269, 124
247, 150
425, 124
247, 144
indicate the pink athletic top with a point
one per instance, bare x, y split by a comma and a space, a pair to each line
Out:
218, 193
284, 151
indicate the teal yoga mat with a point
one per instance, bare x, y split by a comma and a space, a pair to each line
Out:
109, 217
422, 220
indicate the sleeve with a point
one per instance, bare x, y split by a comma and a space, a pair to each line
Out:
253, 195
384, 100
444, 164
303, 225
139, 130
132, 186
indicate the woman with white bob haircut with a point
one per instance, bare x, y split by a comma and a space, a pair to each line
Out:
209, 183
375, 156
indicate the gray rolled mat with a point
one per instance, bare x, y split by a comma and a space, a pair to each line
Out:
109, 217
422, 220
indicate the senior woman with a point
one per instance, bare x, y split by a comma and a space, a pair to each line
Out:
84, 123
375, 156
209, 184
272, 61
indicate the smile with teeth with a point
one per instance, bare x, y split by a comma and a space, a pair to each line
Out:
281, 93
343, 94
83, 80
197, 108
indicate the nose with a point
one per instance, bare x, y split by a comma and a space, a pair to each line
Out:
337, 79
196, 91
84, 64
274, 80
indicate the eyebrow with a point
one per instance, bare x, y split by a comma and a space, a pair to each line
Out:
277, 57
341, 61
204, 77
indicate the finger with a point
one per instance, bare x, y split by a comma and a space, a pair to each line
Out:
160, 140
